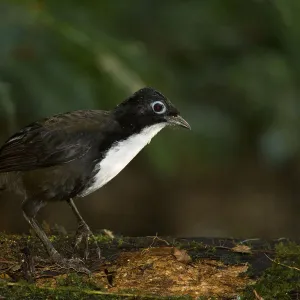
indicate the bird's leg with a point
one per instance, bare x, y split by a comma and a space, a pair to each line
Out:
54, 255
83, 232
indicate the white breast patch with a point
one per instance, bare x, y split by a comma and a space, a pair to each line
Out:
120, 155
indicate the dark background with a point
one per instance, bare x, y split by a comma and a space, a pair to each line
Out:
233, 69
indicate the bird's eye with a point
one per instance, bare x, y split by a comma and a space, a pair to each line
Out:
158, 107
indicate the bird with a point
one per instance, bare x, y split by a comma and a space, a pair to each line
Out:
73, 154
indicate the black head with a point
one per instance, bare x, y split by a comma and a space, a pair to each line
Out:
147, 107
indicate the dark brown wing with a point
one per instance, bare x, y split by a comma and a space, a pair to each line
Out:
56, 140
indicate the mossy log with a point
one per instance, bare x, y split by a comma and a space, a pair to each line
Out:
153, 267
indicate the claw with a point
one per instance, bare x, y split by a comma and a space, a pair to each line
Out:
84, 234
73, 263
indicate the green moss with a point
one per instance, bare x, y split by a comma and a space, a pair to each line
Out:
102, 238
25, 292
230, 259
29, 292
196, 245
120, 242
156, 297
52, 238
78, 281
281, 280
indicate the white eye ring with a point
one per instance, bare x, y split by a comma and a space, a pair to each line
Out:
158, 107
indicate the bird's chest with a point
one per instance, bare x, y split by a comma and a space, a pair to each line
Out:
118, 156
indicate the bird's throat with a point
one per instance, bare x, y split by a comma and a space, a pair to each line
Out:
119, 155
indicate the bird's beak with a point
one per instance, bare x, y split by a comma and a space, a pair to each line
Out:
178, 121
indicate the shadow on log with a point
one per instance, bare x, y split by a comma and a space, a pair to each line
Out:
153, 267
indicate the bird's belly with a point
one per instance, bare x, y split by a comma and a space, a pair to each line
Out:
118, 156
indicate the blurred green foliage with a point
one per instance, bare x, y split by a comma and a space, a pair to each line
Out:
232, 67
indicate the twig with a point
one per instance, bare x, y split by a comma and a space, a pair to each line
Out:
223, 247
249, 240
153, 241
8, 262
281, 264
257, 296
157, 238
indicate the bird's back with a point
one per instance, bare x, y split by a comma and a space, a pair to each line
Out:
55, 155
52, 141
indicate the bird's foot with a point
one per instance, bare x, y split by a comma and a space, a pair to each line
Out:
75, 264
85, 235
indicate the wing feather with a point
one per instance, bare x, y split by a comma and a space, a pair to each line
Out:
56, 140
